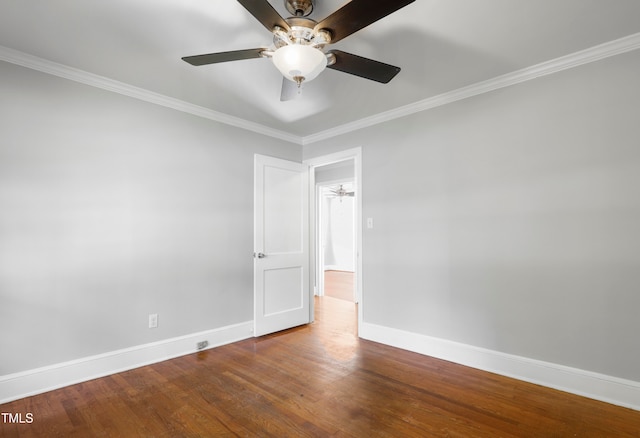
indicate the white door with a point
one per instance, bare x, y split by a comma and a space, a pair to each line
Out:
281, 245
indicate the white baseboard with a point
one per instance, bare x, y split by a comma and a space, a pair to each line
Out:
585, 383
36, 381
339, 268
597, 386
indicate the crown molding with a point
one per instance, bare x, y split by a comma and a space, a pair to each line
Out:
592, 54
84, 77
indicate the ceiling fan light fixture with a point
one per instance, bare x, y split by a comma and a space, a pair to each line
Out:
298, 62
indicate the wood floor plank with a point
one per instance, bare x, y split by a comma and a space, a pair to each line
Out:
316, 380
339, 284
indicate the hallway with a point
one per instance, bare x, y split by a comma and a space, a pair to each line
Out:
339, 284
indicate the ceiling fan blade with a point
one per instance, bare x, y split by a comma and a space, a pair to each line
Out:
289, 90
356, 15
363, 67
265, 14
214, 58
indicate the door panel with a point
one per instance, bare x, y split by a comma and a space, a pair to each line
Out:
283, 209
281, 244
283, 290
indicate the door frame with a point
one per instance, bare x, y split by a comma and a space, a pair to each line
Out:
348, 154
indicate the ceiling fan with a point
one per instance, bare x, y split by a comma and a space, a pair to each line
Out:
340, 192
299, 42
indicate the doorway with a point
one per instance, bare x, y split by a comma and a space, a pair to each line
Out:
327, 174
336, 250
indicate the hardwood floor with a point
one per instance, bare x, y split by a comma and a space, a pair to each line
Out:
317, 380
339, 284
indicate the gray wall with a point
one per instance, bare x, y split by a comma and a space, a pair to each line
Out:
342, 171
111, 209
510, 220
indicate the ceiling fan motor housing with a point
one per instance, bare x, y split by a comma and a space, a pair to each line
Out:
299, 8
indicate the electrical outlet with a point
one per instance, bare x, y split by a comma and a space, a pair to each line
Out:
202, 345
153, 320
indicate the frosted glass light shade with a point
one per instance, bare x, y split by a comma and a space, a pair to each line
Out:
297, 60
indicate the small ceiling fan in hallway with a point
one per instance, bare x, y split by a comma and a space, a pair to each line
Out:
340, 192
299, 43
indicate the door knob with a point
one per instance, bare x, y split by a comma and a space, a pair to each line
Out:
260, 255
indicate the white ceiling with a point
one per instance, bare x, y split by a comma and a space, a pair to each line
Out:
441, 45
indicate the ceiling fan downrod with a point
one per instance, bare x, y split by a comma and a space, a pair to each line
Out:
299, 8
